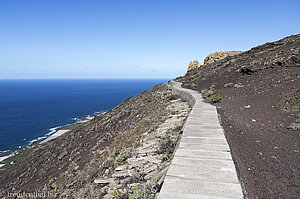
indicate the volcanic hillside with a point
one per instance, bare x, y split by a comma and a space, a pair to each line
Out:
257, 94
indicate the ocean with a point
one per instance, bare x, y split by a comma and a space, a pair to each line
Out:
29, 109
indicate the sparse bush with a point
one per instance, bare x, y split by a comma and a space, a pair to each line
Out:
208, 92
167, 144
215, 98
287, 78
230, 84
164, 157
123, 155
172, 97
213, 86
294, 126
119, 194
143, 191
211, 94
203, 91
186, 85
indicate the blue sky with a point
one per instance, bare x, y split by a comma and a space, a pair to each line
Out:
131, 39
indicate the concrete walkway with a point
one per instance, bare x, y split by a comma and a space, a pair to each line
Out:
202, 167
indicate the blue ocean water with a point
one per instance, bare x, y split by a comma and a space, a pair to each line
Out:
29, 108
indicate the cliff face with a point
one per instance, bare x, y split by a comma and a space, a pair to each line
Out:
259, 109
213, 57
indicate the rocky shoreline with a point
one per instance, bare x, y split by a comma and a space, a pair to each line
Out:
53, 134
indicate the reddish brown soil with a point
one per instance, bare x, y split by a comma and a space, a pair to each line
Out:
266, 152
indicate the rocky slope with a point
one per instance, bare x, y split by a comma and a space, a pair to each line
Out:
258, 99
111, 156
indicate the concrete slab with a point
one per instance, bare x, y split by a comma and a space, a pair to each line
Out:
202, 166
193, 133
203, 162
202, 140
208, 147
198, 173
170, 195
199, 129
202, 153
203, 189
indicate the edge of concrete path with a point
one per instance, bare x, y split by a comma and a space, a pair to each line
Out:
188, 96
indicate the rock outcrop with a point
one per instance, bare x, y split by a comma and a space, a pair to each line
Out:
193, 64
213, 57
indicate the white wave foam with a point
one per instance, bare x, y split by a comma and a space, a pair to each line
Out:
32, 141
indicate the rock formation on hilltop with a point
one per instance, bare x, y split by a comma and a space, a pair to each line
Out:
193, 64
213, 57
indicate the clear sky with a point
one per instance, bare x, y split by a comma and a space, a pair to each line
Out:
132, 39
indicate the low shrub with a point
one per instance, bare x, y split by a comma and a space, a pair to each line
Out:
215, 98
230, 84
203, 91
123, 155
143, 191
167, 144
172, 97
209, 92
294, 126
287, 78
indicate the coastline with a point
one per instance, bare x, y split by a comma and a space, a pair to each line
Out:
54, 133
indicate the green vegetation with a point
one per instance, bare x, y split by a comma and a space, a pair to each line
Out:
143, 191
294, 126
117, 194
230, 84
123, 155
167, 144
215, 98
203, 91
287, 78
211, 94
164, 157
189, 85
172, 97
71, 126
16, 158
186, 85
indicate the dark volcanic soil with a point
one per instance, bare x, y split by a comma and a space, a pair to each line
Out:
256, 112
